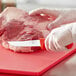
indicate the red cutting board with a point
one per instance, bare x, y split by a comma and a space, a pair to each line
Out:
34, 63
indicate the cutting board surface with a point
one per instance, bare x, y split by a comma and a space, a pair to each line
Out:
34, 63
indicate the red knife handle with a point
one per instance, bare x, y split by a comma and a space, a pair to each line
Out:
42, 42
69, 46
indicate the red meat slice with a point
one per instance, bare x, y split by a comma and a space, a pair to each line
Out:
17, 25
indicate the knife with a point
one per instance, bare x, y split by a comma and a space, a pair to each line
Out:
33, 43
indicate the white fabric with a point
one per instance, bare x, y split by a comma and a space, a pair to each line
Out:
74, 32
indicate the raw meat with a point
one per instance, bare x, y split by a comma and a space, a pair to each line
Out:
19, 32
17, 25
10, 13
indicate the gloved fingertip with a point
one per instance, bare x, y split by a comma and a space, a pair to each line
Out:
46, 43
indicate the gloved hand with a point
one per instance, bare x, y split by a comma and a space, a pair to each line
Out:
50, 14
60, 37
58, 17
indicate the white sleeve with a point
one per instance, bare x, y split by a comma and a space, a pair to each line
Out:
74, 32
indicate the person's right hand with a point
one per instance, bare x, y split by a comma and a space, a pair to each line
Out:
60, 37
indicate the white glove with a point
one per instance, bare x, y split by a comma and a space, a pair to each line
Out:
60, 37
50, 14
57, 16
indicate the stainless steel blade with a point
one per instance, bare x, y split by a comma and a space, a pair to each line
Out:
29, 43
